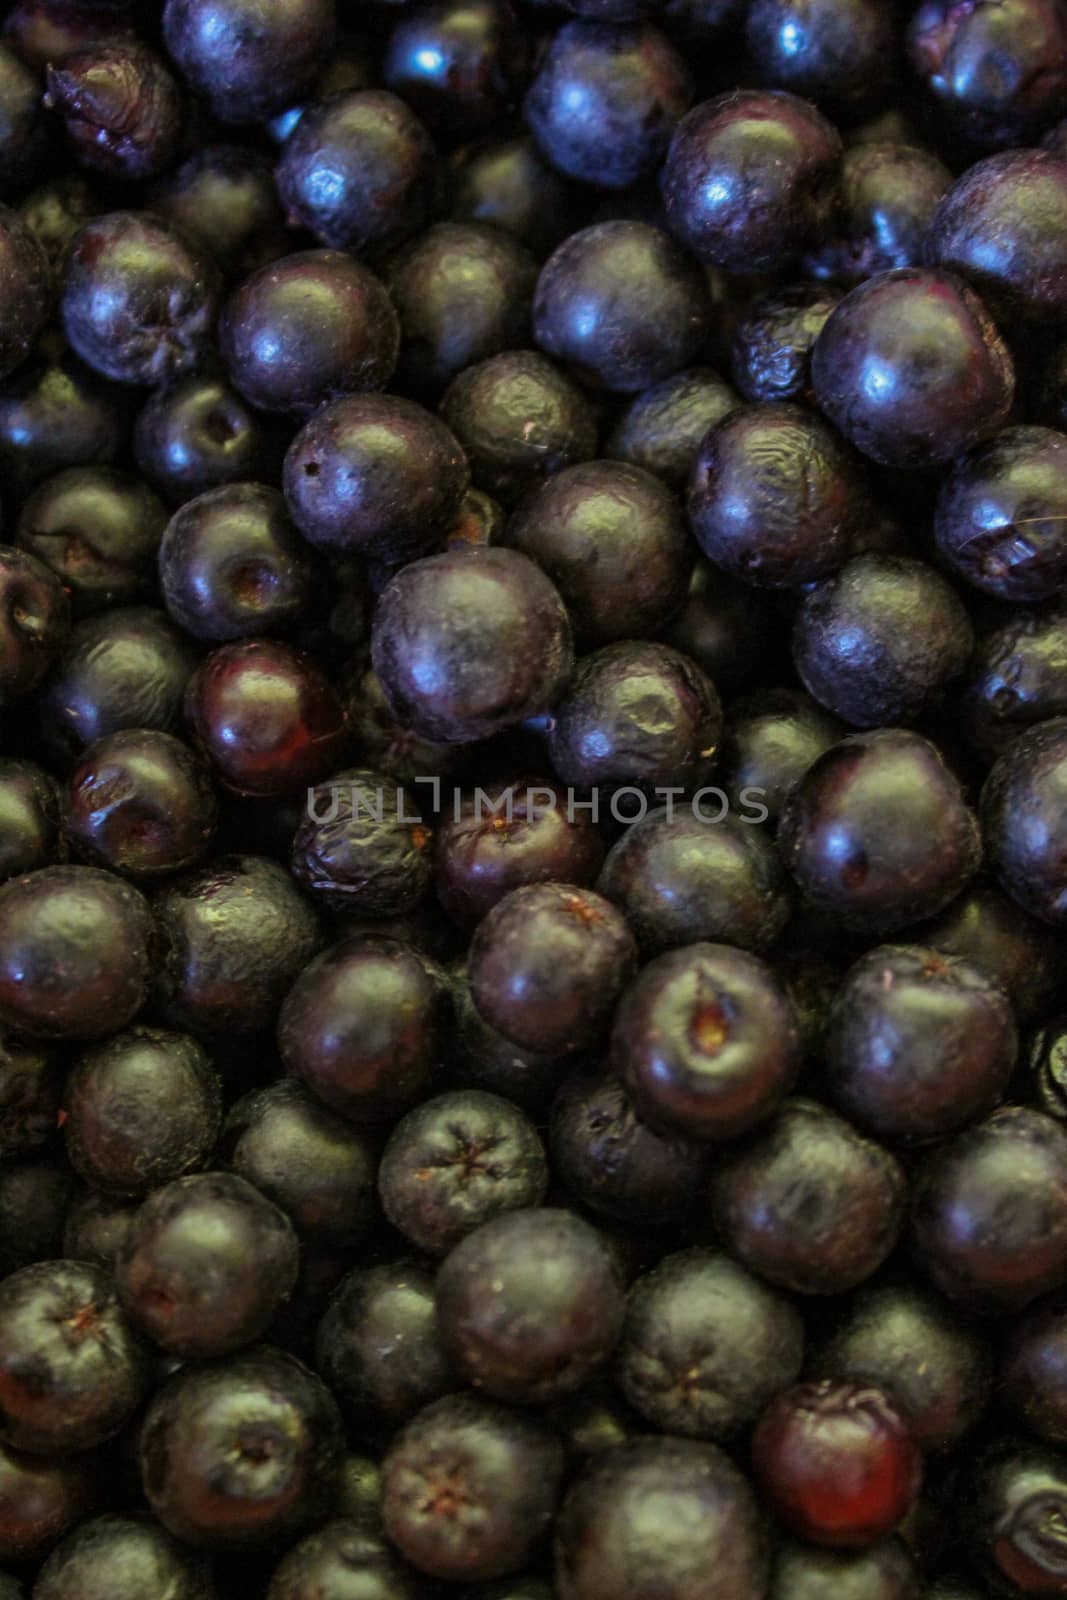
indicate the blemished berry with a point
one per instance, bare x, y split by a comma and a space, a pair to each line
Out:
240, 1453
837, 1463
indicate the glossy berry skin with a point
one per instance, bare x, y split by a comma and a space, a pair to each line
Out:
363, 1026
920, 1044
197, 435
459, 64
223, 196
1002, 227
606, 100
342, 1553
519, 420
140, 803
72, 1371
470, 642
377, 1345
776, 497
611, 1162
24, 290
547, 965
621, 305
206, 1263
307, 328
469, 1487
375, 475
996, 74
361, 848
705, 1041
880, 641
311, 1164
839, 55
124, 668
990, 1212
677, 880
770, 354
100, 531
34, 621
706, 1346
248, 60
75, 953
100, 1559
1015, 678
877, 834
121, 109
774, 736
455, 1162
1001, 515
505, 181
638, 714
911, 368
1023, 820
266, 717
1015, 1504
515, 1332
837, 1462
29, 818
612, 539
606, 1542
661, 429
889, 196
359, 171
139, 303
141, 1109
808, 1203
930, 1362
482, 852
750, 178
241, 1452
231, 565
464, 292
235, 935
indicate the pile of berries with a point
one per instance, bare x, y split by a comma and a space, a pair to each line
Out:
533, 799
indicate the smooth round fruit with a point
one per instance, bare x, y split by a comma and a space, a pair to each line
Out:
911, 368
547, 964
604, 1545
76, 953
515, 1332
470, 642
